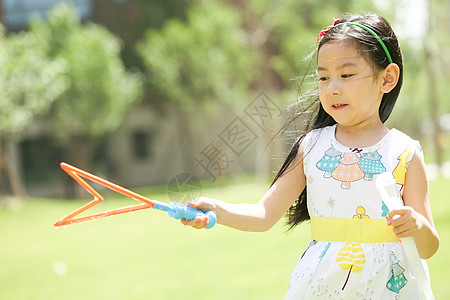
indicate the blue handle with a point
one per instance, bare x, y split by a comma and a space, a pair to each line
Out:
186, 212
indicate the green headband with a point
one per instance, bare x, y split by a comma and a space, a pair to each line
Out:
375, 35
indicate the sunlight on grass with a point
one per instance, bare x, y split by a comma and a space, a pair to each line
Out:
439, 264
146, 255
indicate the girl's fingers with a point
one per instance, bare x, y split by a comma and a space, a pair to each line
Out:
403, 228
197, 223
397, 221
192, 204
405, 221
398, 216
404, 232
398, 212
202, 203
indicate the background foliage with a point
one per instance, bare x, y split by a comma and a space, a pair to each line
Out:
191, 54
202, 60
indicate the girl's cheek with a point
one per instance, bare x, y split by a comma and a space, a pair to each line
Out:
322, 93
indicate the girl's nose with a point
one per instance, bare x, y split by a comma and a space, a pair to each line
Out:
333, 88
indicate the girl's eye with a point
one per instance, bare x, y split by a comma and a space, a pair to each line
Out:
323, 78
347, 75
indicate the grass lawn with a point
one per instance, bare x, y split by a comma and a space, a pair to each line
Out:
146, 255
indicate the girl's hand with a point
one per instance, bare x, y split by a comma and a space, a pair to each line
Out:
405, 221
203, 204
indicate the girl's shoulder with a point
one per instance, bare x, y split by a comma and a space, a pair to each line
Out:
312, 137
401, 136
404, 144
402, 140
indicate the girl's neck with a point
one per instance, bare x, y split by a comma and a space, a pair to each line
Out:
360, 136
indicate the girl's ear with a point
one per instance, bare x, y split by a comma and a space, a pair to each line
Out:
390, 78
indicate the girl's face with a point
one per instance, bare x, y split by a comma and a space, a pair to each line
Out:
349, 91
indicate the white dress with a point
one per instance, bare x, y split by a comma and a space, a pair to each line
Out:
353, 254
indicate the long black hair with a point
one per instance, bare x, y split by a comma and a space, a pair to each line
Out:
371, 49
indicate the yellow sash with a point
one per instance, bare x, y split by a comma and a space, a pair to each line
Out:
351, 230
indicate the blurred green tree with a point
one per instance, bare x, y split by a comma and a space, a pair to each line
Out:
99, 88
290, 29
200, 60
203, 60
138, 15
421, 104
29, 84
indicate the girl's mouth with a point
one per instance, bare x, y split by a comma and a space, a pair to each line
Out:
339, 106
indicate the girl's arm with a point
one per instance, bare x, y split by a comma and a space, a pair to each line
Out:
415, 217
262, 215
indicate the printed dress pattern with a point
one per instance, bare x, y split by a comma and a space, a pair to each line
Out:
329, 161
398, 279
348, 170
341, 185
370, 164
350, 167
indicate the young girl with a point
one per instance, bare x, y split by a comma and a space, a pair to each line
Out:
329, 176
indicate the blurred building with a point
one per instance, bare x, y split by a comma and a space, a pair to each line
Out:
15, 13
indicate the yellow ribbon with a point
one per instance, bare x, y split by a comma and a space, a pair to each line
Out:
351, 230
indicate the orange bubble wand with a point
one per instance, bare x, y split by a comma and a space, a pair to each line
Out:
174, 210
